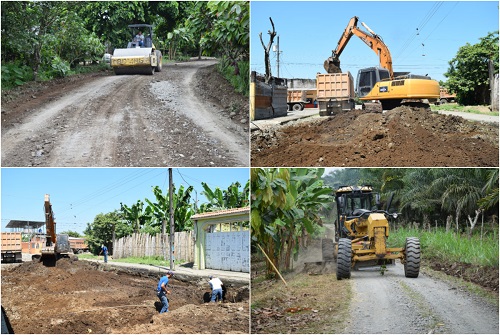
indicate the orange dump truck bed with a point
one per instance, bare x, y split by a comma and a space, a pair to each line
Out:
12, 247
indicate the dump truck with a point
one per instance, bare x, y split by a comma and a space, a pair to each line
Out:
56, 245
381, 84
12, 250
298, 99
361, 233
78, 245
140, 56
335, 92
445, 96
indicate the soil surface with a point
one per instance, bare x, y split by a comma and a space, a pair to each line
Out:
402, 137
83, 297
186, 115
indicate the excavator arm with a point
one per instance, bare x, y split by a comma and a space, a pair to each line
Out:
370, 38
50, 224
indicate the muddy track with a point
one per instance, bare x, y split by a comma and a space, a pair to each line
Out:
395, 304
125, 121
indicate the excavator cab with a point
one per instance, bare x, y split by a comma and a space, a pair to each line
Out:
367, 78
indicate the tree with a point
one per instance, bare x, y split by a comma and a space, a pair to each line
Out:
219, 199
135, 215
267, 51
100, 231
468, 72
71, 233
284, 210
183, 209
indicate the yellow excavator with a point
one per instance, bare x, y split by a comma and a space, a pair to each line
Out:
56, 245
381, 83
140, 56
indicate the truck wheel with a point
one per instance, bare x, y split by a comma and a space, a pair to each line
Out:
412, 263
442, 101
159, 57
327, 249
344, 259
297, 107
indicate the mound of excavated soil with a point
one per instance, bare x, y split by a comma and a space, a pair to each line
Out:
405, 136
82, 297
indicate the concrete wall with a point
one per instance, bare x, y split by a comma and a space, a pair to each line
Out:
228, 251
494, 102
267, 100
301, 84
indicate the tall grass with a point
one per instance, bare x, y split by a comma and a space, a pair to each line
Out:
450, 247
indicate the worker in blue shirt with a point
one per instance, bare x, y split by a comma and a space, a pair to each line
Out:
105, 251
162, 291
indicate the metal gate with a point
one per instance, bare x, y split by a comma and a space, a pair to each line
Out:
228, 251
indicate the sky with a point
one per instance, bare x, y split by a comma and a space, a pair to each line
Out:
77, 195
310, 30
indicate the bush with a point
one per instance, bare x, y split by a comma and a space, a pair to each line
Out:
14, 75
240, 81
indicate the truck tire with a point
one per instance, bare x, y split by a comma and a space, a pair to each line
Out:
443, 101
412, 263
344, 259
297, 107
159, 57
327, 249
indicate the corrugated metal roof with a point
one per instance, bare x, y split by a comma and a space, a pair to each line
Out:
222, 212
24, 224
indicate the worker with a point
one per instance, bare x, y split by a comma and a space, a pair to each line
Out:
216, 286
140, 38
162, 291
105, 251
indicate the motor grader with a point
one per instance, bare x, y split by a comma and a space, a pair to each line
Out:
361, 233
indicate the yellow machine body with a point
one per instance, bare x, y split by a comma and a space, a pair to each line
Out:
404, 89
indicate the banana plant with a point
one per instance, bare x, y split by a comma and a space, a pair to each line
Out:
135, 215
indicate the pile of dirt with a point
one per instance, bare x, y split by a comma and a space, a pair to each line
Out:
484, 276
83, 297
404, 136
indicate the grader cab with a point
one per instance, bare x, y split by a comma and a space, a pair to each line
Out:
361, 233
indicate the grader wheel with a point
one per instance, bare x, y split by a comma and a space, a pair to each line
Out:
412, 250
344, 259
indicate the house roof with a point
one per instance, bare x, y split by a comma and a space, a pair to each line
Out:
220, 213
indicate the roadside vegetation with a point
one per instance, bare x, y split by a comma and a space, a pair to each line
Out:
45, 40
466, 109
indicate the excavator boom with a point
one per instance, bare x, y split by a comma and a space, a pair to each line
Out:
370, 38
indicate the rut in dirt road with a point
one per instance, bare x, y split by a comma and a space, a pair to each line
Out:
127, 121
394, 304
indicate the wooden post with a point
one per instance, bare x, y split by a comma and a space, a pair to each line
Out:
172, 229
272, 264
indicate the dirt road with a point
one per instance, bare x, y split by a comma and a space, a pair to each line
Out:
139, 120
394, 304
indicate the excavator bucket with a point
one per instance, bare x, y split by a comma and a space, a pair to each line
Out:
133, 61
332, 65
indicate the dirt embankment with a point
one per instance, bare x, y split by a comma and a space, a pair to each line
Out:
129, 120
81, 297
402, 137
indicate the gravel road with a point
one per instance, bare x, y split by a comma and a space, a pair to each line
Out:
129, 120
395, 304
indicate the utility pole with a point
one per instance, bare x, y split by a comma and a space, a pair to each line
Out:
171, 211
278, 57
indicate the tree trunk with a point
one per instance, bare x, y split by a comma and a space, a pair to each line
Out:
473, 222
267, 50
449, 220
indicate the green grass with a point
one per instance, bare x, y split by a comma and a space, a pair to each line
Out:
450, 247
454, 107
153, 260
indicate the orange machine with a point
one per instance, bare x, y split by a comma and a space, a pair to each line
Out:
381, 83
56, 246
